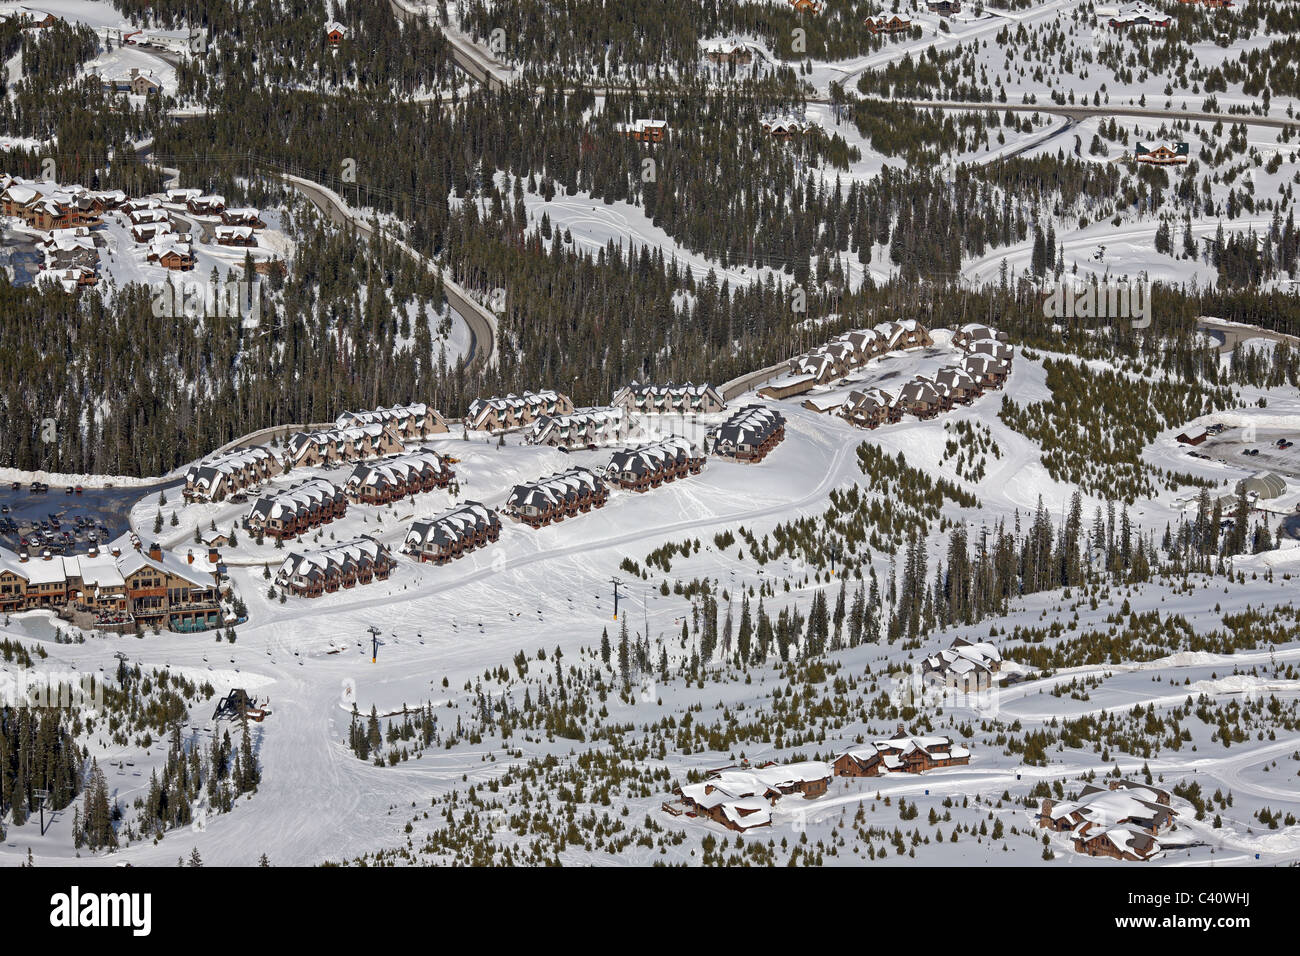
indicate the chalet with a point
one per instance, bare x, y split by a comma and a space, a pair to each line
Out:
969, 335
988, 371
748, 435
822, 365
171, 254
908, 334
806, 6
870, 409
538, 503
145, 231
139, 83
644, 130
1193, 436
224, 475
743, 799
1162, 154
17, 197
453, 533
959, 385
966, 666
299, 508
866, 344
582, 428
110, 198
919, 397
63, 251
242, 217
1139, 16
69, 280
208, 205
313, 573
46, 214
411, 422
335, 33
515, 411
1119, 842
137, 205
640, 469
333, 446
728, 52
998, 350
902, 753
785, 126
40, 23
235, 236
945, 8
1211, 4
177, 197
147, 215
666, 399
882, 24
399, 476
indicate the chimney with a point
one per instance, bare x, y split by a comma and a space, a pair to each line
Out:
22, 556
135, 71
189, 556
214, 556
46, 556
155, 551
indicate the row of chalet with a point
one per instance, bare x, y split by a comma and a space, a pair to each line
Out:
965, 666
669, 399
333, 446
848, 352
640, 469
1121, 820
748, 435
644, 130
116, 591
453, 533
397, 477
313, 573
901, 753
296, 509
582, 428
411, 422
230, 474
743, 799
515, 411
975, 334
925, 397
563, 495
199, 203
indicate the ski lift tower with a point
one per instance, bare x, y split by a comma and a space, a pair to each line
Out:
40, 797
616, 582
374, 643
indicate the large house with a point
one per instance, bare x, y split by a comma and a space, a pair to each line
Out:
644, 130
742, 799
582, 428
883, 24
228, 474
921, 398
640, 469
332, 446
748, 435
243, 236
957, 384
1162, 154
396, 477
901, 753
298, 508
137, 82
411, 422
206, 205
666, 399
244, 216
452, 533
563, 495
313, 573
1120, 820
728, 51
1139, 15
515, 411
966, 665
988, 371
969, 334
120, 592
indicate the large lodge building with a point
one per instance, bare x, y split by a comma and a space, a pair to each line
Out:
115, 591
